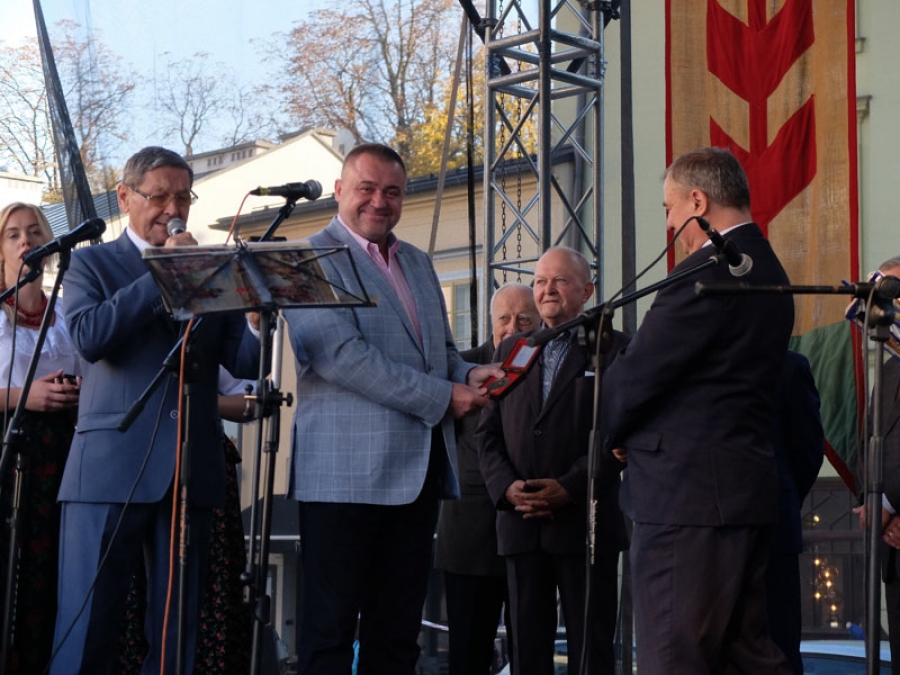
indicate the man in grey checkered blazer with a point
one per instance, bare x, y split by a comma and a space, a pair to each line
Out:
377, 391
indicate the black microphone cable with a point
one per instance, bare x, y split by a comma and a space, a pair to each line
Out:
652, 264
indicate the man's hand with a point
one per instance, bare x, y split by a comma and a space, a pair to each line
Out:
480, 374
537, 497
621, 454
886, 516
180, 239
890, 532
464, 399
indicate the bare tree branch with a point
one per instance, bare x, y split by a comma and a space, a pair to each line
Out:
373, 67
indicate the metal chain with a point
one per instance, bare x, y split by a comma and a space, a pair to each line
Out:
501, 104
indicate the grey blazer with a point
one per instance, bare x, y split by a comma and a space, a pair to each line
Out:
369, 391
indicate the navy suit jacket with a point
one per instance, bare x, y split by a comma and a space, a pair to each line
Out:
690, 397
890, 435
115, 316
799, 444
890, 431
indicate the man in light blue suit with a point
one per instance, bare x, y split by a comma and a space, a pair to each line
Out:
377, 391
117, 486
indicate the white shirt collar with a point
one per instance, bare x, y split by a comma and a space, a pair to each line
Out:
137, 241
724, 232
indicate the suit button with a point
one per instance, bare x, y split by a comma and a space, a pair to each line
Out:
537, 432
173, 414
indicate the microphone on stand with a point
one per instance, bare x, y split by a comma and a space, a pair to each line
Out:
175, 226
310, 190
886, 287
89, 229
739, 263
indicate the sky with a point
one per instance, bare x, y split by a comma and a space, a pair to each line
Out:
147, 35
140, 33
137, 31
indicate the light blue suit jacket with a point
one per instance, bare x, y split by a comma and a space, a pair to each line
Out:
115, 316
368, 391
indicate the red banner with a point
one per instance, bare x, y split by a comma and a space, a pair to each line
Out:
774, 82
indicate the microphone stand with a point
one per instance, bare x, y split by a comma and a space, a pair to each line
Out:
595, 326
269, 400
879, 332
879, 317
13, 443
183, 516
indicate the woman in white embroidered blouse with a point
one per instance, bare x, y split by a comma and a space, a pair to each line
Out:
47, 426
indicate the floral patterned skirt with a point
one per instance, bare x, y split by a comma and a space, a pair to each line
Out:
225, 634
47, 438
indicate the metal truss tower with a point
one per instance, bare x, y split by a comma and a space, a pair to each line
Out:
543, 133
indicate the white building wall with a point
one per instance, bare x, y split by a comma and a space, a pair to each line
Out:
18, 188
299, 159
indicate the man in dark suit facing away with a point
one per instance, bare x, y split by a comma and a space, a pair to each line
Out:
689, 406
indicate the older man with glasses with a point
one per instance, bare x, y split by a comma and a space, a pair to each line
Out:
117, 486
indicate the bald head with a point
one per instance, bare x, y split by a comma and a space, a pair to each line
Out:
512, 311
562, 284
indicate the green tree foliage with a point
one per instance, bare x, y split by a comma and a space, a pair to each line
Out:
426, 138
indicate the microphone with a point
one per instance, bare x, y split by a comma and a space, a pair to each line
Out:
739, 263
175, 226
311, 190
888, 287
89, 229
885, 287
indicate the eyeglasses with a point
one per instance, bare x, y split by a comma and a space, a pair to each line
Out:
182, 199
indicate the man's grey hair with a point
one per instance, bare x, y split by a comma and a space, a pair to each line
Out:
714, 171
889, 264
150, 158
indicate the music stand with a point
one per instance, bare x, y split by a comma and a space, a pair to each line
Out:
200, 280
264, 277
